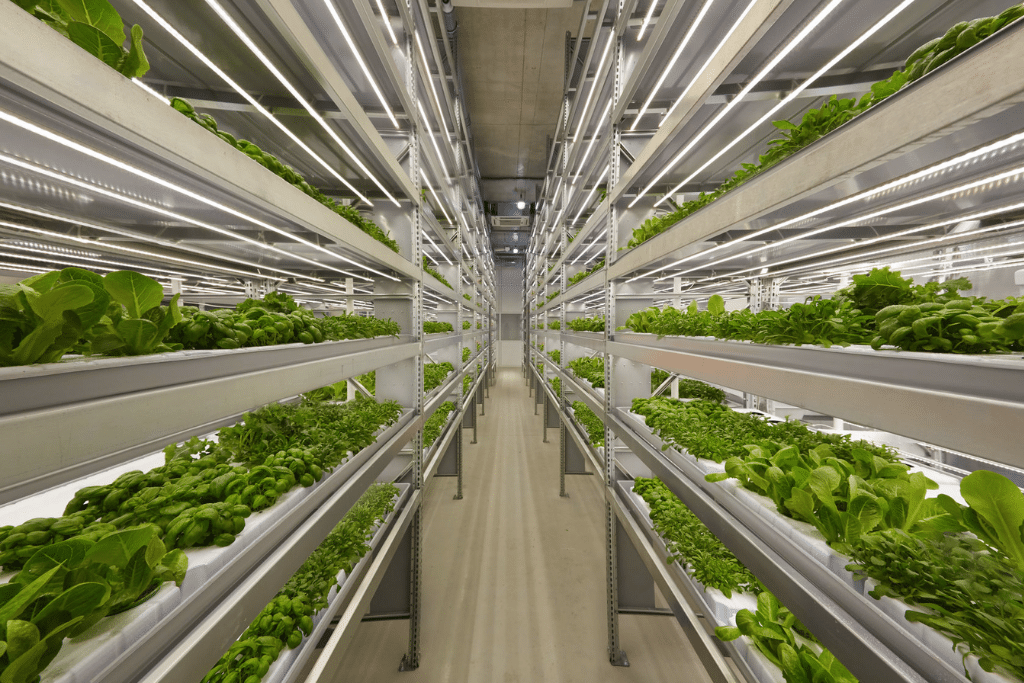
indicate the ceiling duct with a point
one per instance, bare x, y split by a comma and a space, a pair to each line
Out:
510, 222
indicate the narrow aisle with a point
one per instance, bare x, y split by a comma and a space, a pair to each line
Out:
513, 574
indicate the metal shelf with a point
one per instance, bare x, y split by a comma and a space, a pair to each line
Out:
73, 95
968, 404
870, 644
62, 413
190, 640
964, 99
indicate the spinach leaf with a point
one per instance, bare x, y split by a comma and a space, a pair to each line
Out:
996, 512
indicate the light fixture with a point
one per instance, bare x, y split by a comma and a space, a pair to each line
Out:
590, 147
387, 21
515, 251
772, 63
520, 205
675, 57
593, 88
647, 20
359, 59
430, 79
797, 92
866, 194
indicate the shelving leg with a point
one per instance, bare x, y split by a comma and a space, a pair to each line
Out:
615, 655
561, 460
458, 460
546, 411
411, 659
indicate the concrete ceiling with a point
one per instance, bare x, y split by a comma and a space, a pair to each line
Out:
513, 63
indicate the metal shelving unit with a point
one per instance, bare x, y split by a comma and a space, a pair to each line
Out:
94, 161
686, 107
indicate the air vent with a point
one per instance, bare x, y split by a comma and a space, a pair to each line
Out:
507, 222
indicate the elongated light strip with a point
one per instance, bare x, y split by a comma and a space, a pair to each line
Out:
387, 21
678, 53
925, 244
973, 269
596, 241
590, 147
866, 194
105, 245
99, 156
430, 134
647, 20
594, 87
150, 90
761, 75
69, 261
227, 79
430, 80
426, 233
309, 108
933, 260
43, 249
423, 177
797, 92
835, 226
164, 212
586, 201
359, 59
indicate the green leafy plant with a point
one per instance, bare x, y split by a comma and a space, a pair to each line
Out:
691, 544
430, 269
589, 369
688, 388
590, 422
288, 619
467, 297
594, 324
556, 385
465, 324
554, 325
578, 277
434, 424
434, 327
96, 27
556, 356
466, 351
434, 374
773, 630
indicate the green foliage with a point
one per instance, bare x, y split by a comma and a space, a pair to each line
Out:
434, 424
578, 277
586, 417
554, 325
67, 587
48, 315
966, 592
289, 174
594, 324
556, 385
466, 351
288, 619
465, 324
589, 369
434, 374
834, 112
345, 326
467, 382
773, 630
556, 356
552, 295
691, 544
880, 308
689, 388
467, 297
430, 269
434, 327
96, 27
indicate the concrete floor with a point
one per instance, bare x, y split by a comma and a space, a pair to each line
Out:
514, 575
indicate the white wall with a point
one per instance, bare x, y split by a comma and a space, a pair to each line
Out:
510, 302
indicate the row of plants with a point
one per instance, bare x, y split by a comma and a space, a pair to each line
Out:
465, 324
772, 628
556, 356
117, 543
289, 174
436, 422
287, 620
440, 278
834, 112
552, 295
589, 369
688, 388
586, 417
339, 390
466, 351
556, 385
582, 275
552, 325
880, 308
868, 505
435, 327
76, 311
593, 324
434, 374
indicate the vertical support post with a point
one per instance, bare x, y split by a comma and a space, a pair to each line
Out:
561, 459
472, 406
545, 402
350, 289
458, 462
